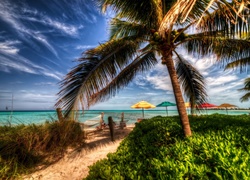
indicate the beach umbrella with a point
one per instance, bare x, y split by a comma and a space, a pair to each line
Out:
187, 105
166, 104
206, 106
227, 105
143, 105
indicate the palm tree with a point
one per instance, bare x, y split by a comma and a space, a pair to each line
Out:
141, 32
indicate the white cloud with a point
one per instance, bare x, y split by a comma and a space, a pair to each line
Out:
221, 80
42, 39
140, 81
45, 84
8, 47
62, 27
151, 94
157, 78
160, 82
11, 15
68, 29
30, 96
11, 64
84, 47
202, 64
24, 65
53, 75
7, 13
84, 15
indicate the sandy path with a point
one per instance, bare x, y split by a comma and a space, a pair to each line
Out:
75, 164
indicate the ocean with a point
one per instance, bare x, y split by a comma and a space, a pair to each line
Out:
39, 117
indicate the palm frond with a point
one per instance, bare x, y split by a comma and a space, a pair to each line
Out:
245, 98
247, 82
147, 12
141, 63
196, 12
246, 85
182, 11
227, 18
209, 15
243, 64
98, 66
121, 29
192, 82
117, 52
71, 91
246, 88
226, 50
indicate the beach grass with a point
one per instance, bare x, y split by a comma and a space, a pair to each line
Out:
157, 149
23, 147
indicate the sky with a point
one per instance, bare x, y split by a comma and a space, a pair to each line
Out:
41, 40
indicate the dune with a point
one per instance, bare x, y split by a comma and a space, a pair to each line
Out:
74, 165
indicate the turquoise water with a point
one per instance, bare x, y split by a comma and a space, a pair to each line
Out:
37, 117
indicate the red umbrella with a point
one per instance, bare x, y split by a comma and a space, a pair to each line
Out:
207, 105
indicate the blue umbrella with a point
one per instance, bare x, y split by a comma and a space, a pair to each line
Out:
166, 104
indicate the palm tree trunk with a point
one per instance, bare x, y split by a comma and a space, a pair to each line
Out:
168, 60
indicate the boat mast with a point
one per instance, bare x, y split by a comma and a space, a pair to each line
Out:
11, 113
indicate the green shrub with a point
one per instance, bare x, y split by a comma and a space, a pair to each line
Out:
156, 149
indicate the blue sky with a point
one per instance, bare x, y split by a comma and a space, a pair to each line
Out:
40, 41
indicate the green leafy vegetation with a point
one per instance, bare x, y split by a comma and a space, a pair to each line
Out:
23, 147
156, 149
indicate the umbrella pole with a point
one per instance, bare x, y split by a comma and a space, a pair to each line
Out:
167, 110
227, 111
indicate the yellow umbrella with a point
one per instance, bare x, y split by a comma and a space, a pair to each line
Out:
187, 105
143, 105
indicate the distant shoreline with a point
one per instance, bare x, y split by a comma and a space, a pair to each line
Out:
110, 110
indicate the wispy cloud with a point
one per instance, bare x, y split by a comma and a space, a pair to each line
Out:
45, 84
55, 75
9, 47
85, 15
7, 14
151, 94
28, 99
82, 47
42, 39
62, 27
8, 62
202, 64
221, 80
157, 78
11, 14
68, 29
160, 82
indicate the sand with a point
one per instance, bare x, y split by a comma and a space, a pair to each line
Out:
74, 165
